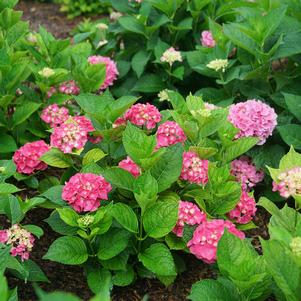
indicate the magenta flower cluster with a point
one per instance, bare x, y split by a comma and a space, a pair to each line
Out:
169, 133
68, 87
55, 115
245, 172
288, 183
207, 39
206, 237
189, 214
194, 169
129, 165
27, 157
20, 240
84, 191
253, 118
111, 69
245, 210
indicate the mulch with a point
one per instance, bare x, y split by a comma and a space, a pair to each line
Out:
71, 278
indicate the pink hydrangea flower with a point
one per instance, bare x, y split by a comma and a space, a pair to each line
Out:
246, 173
54, 115
194, 169
27, 157
169, 133
129, 165
206, 237
143, 115
189, 214
69, 87
69, 136
51, 92
288, 183
207, 39
119, 122
84, 191
111, 69
84, 123
20, 240
210, 106
254, 119
94, 139
245, 210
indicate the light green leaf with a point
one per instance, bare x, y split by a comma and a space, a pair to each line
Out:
93, 155
291, 134
54, 157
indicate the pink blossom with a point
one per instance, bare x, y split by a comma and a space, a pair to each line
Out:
129, 165
171, 56
288, 183
20, 240
245, 172
54, 115
194, 169
143, 115
95, 139
84, 123
111, 69
245, 210
69, 88
84, 191
51, 92
69, 136
207, 39
27, 157
169, 133
206, 237
119, 122
3, 236
254, 119
189, 214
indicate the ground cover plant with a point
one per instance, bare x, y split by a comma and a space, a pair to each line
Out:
150, 135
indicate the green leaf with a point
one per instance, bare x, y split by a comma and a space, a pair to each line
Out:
149, 83
57, 296
160, 218
10, 205
124, 278
291, 134
209, 290
6, 188
67, 250
125, 216
158, 259
23, 112
116, 263
3, 288
290, 160
293, 103
100, 282
131, 24
112, 243
239, 147
137, 144
35, 230
139, 62
69, 216
54, 194
283, 268
54, 157
7, 144
168, 168
35, 273
119, 177
94, 155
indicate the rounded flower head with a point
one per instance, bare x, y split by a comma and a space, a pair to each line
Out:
246, 173
171, 56
111, 69
194, 169
207, 39
206, 237
129, 165
51, 92
84, 191
3, 236
54, 115
218, 65
189, 214
46, 72
27, 157
69, 136
245, 210
20, 240
288, 183
254, 119
296, 245
169, 133
84, 123
69, 88
119, 122
143, 115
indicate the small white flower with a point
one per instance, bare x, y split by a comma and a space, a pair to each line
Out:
102, 26
46, 72
171, 55
102, 43
114, 16
163, 95
218, 65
